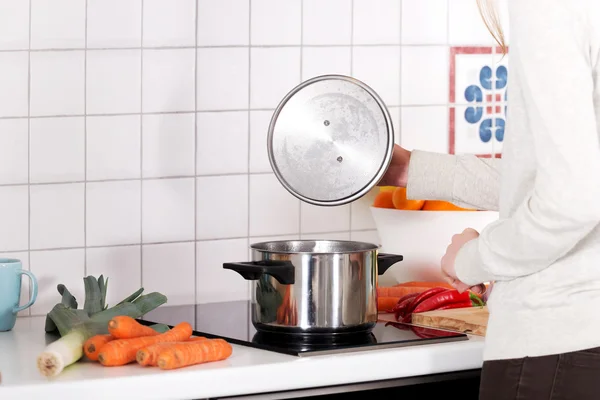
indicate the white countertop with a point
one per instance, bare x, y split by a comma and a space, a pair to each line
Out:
247, 371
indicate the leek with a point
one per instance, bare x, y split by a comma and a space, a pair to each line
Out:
75, 326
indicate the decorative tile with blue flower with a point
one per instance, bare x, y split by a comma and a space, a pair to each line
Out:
478, 80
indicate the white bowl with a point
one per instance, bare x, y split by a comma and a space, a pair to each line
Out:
422, 238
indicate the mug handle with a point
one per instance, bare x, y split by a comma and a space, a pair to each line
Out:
34, 291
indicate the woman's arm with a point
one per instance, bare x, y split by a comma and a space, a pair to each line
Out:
465, 180
550, 56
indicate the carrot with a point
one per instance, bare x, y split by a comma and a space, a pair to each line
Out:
192, 353
385, 304
423, 284
398, 291
149, 355
125, 327
92, 346
123, 351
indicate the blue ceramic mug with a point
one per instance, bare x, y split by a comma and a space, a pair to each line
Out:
11, 271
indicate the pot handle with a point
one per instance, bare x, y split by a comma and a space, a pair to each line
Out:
283, 271
385, 261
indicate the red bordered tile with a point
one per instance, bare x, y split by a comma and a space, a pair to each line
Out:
477, 95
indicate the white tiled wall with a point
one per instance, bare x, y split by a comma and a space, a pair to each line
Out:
133, 133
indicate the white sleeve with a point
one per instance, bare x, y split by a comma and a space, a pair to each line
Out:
465, 180
550, 61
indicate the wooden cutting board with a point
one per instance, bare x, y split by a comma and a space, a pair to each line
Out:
466, 320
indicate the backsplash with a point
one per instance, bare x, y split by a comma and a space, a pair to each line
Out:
133, 133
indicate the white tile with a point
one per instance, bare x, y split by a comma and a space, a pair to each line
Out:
317, 219
169, 23
259, 129
113, 81
57, 215
222, 207
425, 22
223, 22
14, 24
425, 73
14, 142
221, 133
275, 22
361, 217
168, 80
222, 78
395, 115
376, 21
273, 210
57, 83
113, 147
57, 149
167, 210
121, 266
326, 236
114, 23
466, 27
213, 282
325, 61
24, 298
327, 22
274, 72
14, 216
370, 236
57, 24
168, 145
379, 68
113, 213
55, 267
170, 269
425, 128
272, 238
14, 84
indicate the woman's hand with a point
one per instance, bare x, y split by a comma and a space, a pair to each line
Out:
449, 258
397, 172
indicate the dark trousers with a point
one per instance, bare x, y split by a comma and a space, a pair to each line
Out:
569, 376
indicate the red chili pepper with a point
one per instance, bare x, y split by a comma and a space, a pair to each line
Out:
400, 308
403, 300
462, 304
424, 296
445, 298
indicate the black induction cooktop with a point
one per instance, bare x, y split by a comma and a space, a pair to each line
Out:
232, 321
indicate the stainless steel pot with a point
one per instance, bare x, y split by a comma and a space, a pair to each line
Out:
314, 286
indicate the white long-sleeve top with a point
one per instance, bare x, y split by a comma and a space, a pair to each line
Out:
544, 251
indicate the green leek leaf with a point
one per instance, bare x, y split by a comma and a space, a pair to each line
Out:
66, 318
103, 285
93, 296
149, 302
160, 328
67, 298
132, 296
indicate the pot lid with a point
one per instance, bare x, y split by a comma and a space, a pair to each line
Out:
330, 140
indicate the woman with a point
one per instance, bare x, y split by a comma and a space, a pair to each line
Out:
543, 254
